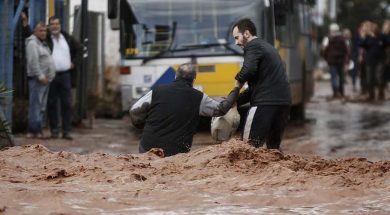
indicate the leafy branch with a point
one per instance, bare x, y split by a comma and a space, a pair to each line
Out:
5, 131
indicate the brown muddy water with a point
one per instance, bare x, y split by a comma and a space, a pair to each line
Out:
337, 162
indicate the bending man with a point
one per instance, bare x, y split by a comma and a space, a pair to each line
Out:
170, 113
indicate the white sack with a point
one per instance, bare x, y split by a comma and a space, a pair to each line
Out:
223, 127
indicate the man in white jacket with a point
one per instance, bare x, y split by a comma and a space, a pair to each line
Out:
40, 71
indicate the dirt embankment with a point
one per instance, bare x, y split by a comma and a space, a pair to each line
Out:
232, 173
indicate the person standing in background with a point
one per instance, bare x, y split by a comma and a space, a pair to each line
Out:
374, 47
336, 55
364, 28
40, 72
355, 54
386, 39
351, 68
65, 53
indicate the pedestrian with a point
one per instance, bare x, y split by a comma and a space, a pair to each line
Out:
268, 91
65, 53
350, 67
386, 39
363, 29
374, 47
355, 53
40, 72
169, 114
336, 55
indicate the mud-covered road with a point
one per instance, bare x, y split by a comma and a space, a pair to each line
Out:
337, 162
333, 129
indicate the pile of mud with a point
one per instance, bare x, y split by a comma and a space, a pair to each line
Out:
34, 163
190, 180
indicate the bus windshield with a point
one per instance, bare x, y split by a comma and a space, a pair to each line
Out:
184, 27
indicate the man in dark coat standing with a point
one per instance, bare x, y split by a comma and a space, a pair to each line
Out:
65, 52
336, 55
268, 89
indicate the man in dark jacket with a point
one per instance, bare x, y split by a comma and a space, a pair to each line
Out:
336, 55
268, 89
65, 52
170, 113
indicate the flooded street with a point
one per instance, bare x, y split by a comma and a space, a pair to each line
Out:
336, 162
77, 64
333, 129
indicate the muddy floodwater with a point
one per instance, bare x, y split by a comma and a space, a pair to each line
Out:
335, 128
336, 162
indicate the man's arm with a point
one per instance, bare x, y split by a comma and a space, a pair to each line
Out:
210, 107
77, 51
139, 110
26, 31
75, 47
244, 97
250, 66
26, 28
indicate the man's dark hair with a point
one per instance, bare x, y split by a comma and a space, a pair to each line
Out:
245, 24
41, 23
54, 18
186, 71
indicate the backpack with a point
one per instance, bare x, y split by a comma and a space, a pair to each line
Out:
336, 50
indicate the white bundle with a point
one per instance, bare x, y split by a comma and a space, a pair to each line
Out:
223, 127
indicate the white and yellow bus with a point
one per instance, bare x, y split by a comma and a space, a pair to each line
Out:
158, 35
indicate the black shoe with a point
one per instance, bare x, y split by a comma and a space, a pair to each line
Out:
67, 137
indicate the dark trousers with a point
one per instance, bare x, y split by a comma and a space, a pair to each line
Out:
266, 124
363, 78
354, 73
337, 79
375, 79
60, 90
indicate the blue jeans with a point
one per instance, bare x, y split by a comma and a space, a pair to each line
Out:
337, 79
60, 89
36, 105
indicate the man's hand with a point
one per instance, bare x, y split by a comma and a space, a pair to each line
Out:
239, 84
24, 19
44, 81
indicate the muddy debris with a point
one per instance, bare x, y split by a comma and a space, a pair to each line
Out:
214, 173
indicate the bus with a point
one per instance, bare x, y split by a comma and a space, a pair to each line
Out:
156, 36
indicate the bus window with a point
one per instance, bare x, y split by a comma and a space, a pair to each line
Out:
288, 34
201, 28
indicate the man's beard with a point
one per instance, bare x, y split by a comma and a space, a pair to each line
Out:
244, 41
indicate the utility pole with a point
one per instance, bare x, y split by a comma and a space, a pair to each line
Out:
82, 80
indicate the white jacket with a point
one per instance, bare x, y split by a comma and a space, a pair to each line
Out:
39, 61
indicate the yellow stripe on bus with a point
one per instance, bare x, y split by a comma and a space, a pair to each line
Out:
219, 81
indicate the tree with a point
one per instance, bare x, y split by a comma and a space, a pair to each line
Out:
351, 13
6, 138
